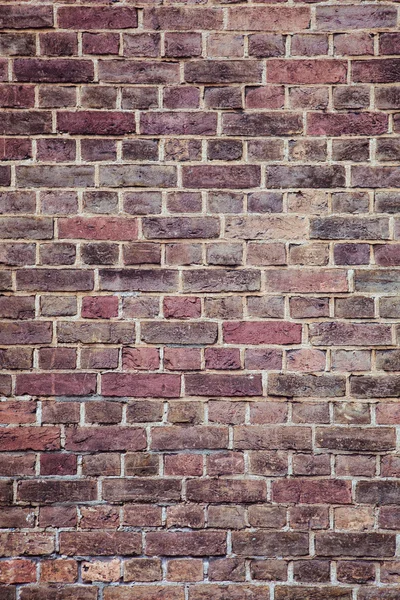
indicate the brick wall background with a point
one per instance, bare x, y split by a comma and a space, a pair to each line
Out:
200, 300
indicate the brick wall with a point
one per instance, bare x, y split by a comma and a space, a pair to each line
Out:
200, 300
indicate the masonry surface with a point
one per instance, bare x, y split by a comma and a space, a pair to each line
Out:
200, 300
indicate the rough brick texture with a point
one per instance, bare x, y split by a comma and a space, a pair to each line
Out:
200, 299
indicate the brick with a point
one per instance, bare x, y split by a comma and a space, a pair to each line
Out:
138, 176
31, 544
350, 228
306, 385
309, 44
268, 18
202, 280
384, 70
225, 45
310, 98
222, 97
182, 359
58, 384
102, 544
268, 570
222, 385
261, 333
220, 71
272, 438
379, 492
307, 176
352, 124
19, 44
181, 333
100, 43
231, 491
267, 543
62, 70
309, 492
105, 438
141, 44
354, 544
62, 515
226, 569
138, 385
355, 572
182, 19
143, 592
355, 43
266, 45
144, 280
224, 358
182, 44
180, 227
352, 334
103, 17
56, 491
60, 412
137, 72
256, 227
261, 124
201, 592
320, 593
93, 123
179, 438
58, 571
26, 17
307, 281
142, 569
193, 543
140, 358
332, 18
306, 71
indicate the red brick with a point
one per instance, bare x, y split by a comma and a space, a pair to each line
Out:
138, 385
312, 491
101, 439
351, 124
182, 359
31, 544
100, 43
140, 359
144, 592
99, 307
306, 71
142, 490
262, 18
115, 71
61, 70
100, 543
102, 17
223, 385
95, 123
56, 384
30, 438
49, 491
26, 17
192, 543
180, 438
59, 571
182, 19
261, 333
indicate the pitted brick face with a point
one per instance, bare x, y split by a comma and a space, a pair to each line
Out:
199, 300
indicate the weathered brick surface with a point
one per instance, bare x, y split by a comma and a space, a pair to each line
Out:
199, 300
